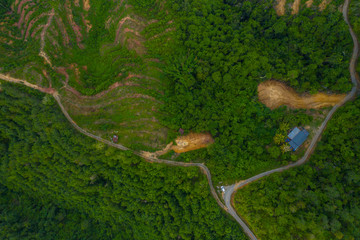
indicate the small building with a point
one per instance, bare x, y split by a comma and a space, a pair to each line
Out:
115, 139
297, 137
181, 131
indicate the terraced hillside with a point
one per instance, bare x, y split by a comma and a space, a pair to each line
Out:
103, 58
293, 6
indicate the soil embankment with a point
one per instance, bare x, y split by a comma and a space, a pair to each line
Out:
275, 94
192, 141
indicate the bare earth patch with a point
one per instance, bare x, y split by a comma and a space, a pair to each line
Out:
280, 7
192, 141
75, 27
309, 3
295, 7
274, 94
86, 5
324, 4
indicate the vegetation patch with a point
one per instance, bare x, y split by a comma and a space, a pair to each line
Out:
319, 200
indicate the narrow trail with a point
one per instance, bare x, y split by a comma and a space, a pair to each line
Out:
42, 37
229, 190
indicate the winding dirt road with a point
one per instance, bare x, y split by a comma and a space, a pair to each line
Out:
229, 190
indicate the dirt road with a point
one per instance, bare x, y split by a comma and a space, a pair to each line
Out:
229, 190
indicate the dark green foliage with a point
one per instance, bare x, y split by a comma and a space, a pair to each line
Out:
22, 217
43, 156
229, 50
319, 200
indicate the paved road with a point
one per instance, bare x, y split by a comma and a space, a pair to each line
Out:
57, 97
229, 190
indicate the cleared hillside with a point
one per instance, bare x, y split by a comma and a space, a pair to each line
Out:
103, 58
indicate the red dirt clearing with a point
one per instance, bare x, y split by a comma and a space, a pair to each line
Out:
21, 4
192, 141
75, 27
33, 22
62, 28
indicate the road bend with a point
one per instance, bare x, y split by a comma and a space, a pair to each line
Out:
229, 190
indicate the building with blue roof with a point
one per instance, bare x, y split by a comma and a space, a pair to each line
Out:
297, 137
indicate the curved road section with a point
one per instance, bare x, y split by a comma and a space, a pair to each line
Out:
229, 190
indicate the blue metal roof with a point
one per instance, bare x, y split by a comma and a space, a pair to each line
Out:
293, 145
294, 132
299, 139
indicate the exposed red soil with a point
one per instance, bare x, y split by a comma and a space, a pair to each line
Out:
36, 30
89, 109
166, 30
15, 80
101, 94
21, 4
309, 3
295, 7
152, 21
118, 6
32, 22
131, 75
23, 12
62, 71
274, 94
324, 4
126, 30
86, 4
192, 141
136, 45
280, 7
27, 17
75, 27
63, 31
16, 3
86, 23
121, 22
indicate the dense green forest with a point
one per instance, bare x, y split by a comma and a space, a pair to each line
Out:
198, 64
229, 48
23, 217
192, 64
44, 157
319, 200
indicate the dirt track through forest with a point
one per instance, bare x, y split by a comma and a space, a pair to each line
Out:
229, 189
